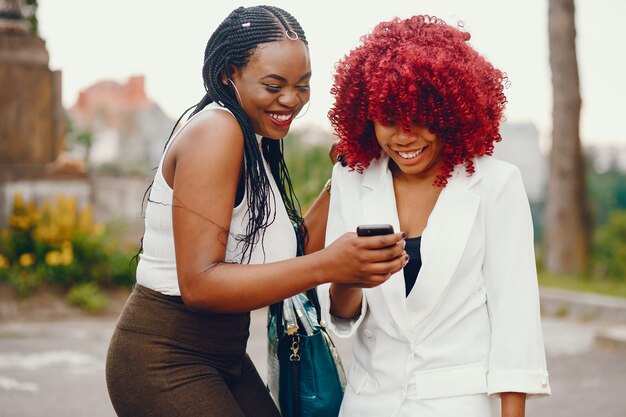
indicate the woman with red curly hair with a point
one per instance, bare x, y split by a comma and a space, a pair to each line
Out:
417, 111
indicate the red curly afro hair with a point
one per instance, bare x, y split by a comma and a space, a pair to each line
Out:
418, 71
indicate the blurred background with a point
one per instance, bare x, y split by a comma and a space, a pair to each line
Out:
90, 90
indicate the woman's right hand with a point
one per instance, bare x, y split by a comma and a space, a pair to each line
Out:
365, 261
335, 156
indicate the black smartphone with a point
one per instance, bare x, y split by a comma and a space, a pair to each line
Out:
374, 229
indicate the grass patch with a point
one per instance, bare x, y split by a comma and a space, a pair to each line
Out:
562, 312
87, 296
584, 284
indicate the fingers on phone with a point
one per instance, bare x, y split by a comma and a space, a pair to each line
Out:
389, 253
383, 241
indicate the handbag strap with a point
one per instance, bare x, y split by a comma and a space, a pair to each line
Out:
311, 293
295, 387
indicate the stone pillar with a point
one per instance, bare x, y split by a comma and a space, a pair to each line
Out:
11, 17
32, 119
31, 112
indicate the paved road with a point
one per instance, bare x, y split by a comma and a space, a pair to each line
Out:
56, 369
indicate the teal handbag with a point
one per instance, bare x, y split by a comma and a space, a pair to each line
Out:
306, 376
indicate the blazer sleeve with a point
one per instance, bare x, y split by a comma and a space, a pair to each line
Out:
517, 360
335, 227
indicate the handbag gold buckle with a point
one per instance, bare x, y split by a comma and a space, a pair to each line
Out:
295, 347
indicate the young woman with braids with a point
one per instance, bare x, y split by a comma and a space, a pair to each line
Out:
457, 332
219, 238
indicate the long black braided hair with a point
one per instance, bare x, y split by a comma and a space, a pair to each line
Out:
231, 45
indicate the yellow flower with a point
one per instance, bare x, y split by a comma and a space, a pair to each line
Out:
4, 261
53, 258
27, 259
98, 229
67, 253
18, 201
85, 218
19, 221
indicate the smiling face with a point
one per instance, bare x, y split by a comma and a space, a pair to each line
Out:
273, 86
415, 153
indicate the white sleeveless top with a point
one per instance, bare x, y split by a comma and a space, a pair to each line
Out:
157, 262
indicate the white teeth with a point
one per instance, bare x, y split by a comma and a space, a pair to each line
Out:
280, 117
411, 155
407, 155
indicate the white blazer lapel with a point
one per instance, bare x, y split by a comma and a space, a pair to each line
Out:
378, 204
443, 242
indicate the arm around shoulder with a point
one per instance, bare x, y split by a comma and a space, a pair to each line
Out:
208, 161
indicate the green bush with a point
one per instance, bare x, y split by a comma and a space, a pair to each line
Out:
24, 281
122, 270
60, 244
609, 249
88, 296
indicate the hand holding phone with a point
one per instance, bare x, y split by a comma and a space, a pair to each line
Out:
369, 257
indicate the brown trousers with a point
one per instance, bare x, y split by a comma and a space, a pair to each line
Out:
167, 361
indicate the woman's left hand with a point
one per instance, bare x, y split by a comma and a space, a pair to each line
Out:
335, 156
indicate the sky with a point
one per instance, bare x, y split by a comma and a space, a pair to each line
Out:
95, 40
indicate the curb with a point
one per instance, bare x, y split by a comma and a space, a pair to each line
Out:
613, 337
609, 312
583, 306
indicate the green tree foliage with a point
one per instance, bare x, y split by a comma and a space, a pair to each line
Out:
31, 15
309, 168
609, 254
607, 201
607, 193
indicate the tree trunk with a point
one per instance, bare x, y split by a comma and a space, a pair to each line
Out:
566, 224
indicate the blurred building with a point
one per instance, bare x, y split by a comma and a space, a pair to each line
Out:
607, 157
520, 146
126, 130
33, 131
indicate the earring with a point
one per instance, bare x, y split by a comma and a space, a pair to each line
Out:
236, 92
308, 106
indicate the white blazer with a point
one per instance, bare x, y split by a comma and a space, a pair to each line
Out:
471, 323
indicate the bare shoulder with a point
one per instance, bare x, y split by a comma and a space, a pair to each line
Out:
211, 129
210, 143
211, 139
